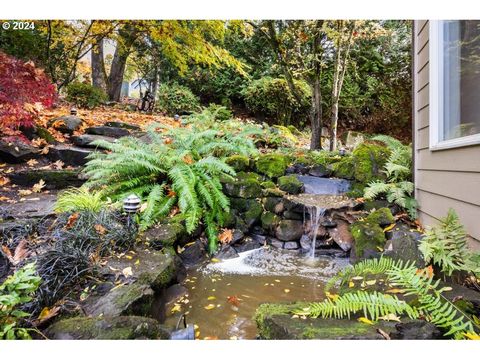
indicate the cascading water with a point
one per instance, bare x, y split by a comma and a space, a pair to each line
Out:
316, 213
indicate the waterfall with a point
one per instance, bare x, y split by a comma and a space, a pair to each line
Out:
316, 213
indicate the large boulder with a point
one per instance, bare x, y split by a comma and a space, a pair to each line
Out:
15, 150
341, 235
344, 169
107, 328
369, 160
290, 184
403, 245
194, 254
122, 125
383, 217
269, 221
67, 124
272, 165
113, 132
319, 171
164, 235
289, 230
369, 240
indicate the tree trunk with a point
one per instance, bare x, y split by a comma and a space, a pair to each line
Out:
316, 116
117, 70
99, 78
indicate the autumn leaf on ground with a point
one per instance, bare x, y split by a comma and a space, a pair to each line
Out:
226, 236
58, 165
24, 192
72, 219
39, 142
390, 317
46, 314
187, 159
365, 320
100, 229
38, 186
428, 271
390, 227
127, 272
4, 198
32, 162
4, 180
21, 252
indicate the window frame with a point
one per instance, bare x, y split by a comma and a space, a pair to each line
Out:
436, 87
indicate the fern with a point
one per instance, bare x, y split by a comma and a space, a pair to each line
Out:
373, 305
446, 245
398, 188
180, 166
436, 308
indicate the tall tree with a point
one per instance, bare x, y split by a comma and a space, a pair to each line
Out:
99, 77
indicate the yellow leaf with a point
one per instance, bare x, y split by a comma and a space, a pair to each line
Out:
379, 248
365, 320
286, 290
472, 336
389, 227
215, 260
209, 307
357, 278
351, 284
210, 298
371, 282
332, 296
129, 257
38, 186
395, 291
137, 262
176, 308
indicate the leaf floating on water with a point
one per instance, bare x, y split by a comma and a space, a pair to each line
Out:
286, 291
210, 298
209, 307
233, 300
176, 308
233, 338
277, 281
210, 338
365, 320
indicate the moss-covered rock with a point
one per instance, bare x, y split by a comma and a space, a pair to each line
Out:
273, 204
107, 328
382, 217
289, 230
344, 169
253, 213
45, 134
268, 184
369, 239
163, 235
238, 162
356, 190
275, 322
290, 184
272, 165
245, 185
269, 221
369, 160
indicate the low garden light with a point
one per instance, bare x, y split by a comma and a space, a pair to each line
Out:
73, 111
131, 204
176, 117
342, 151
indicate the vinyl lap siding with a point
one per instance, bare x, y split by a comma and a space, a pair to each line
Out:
447, 178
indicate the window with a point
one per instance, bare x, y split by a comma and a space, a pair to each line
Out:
454, 83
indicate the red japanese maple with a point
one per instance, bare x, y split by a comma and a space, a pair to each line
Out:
24, 91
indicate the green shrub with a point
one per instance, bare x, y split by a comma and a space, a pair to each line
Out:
272, 98
219, 112
78, 200
15, 291
85, 95
174, 98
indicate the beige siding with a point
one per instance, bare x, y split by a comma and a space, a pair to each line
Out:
448, 178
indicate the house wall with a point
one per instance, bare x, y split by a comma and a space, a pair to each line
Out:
443, 178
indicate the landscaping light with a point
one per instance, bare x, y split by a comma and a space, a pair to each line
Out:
176, 117
73, 111
131, 204
342, 151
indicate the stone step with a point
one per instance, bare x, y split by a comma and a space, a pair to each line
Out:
33, 206
69, 155
86, 140
54, 179
122, 125
14, 150
109, 131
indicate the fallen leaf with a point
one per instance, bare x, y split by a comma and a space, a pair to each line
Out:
395, 291
46, 314
389, 227
390, 317
225, 236
286, 291
472, 336
365, 320
100, 229
176, 308
127, 272
24, 192
38, 186
384, 334
371, 282
233, 300
32, 162
210, 338
209, 307
357, 278
210, 298
58, 164
4, 180
72, 219
21, 252
351, 284
215, 260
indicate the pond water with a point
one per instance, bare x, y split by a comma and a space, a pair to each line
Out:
223, 296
